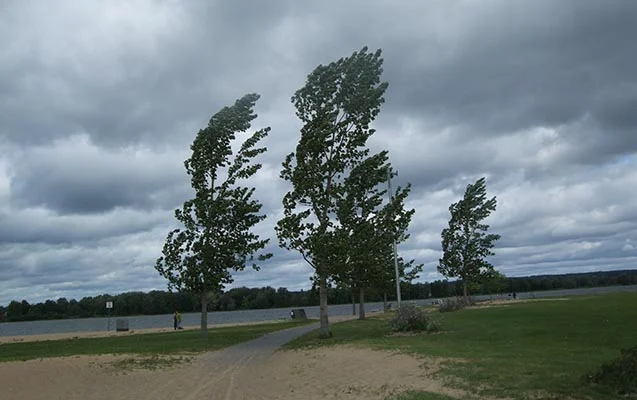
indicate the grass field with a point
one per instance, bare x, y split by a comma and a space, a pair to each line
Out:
535, 350
152, 343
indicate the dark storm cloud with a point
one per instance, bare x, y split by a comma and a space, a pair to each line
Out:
149, 82
74, 176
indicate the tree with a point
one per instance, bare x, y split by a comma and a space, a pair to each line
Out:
465, 242
336, 106
216, 237
368, 228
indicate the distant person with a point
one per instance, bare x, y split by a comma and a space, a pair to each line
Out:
175, 320
179, 321
515, 295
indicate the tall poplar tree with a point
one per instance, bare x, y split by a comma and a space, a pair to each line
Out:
336, 107
216, 237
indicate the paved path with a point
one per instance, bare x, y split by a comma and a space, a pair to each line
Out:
223, 371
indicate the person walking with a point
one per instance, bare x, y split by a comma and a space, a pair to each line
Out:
179, 321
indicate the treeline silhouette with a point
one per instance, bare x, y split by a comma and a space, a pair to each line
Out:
243, 298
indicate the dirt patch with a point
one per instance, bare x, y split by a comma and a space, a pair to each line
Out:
325, 373
348, 373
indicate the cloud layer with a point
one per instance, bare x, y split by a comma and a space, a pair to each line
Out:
99, 103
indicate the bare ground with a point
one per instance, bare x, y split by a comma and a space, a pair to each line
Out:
252, 370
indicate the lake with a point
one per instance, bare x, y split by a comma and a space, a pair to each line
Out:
225, 317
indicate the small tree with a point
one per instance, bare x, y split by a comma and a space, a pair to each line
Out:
466, 243
216, 237
336, 106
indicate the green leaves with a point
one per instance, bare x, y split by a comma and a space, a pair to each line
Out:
216, 236
466, 242
368, 228
337, 104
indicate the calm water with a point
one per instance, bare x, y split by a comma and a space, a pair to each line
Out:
223, 317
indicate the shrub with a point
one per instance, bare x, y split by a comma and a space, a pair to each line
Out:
450, 305
619, 374
410, 318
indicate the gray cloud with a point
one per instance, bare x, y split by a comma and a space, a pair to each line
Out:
75, 176
99, 104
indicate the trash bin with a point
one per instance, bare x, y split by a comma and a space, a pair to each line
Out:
121, 325
298, 313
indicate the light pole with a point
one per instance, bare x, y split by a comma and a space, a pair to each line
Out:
390, 196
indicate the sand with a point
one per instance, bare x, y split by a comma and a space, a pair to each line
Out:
326, 373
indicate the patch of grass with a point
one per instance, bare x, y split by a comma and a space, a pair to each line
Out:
422, 396
153, 362
537, 350
187, 341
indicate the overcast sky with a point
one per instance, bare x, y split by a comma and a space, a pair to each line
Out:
99, 102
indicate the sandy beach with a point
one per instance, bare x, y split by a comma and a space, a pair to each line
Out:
330, 373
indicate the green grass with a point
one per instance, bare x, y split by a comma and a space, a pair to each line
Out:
187, 341
533, 350
422, 396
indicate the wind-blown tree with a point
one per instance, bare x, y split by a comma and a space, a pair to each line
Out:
466, 242
216, 237
336, 106
368, 227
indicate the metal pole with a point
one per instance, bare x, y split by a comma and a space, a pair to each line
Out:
390, 196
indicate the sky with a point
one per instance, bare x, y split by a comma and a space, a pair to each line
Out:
100, 101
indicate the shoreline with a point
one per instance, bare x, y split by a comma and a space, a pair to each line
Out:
113, 333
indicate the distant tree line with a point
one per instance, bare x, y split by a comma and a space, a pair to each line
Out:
163, 302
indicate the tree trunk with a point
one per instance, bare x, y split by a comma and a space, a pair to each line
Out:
385, 301
324, 331
464, 292
361, 303
353, 304
203, 333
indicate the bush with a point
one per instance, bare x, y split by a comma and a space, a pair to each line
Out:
410, 318
619, 374
450, 305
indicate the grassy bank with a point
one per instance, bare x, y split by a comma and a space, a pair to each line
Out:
536, 350
151, 343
